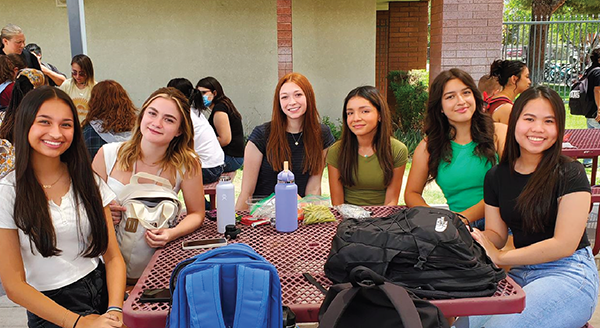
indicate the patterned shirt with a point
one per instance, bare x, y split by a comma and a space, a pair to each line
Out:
7, 157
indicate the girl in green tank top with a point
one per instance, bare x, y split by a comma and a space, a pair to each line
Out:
460, 145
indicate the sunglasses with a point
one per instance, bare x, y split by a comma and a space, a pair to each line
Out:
75, 73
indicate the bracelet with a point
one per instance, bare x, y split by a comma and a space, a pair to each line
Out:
114, 308
76, 321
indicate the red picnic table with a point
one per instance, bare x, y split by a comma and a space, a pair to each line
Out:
585, 144
302, 251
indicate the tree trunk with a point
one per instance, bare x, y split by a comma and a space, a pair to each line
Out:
541, 10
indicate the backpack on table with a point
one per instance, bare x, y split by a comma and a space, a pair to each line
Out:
148, 206
429, 251
579, 102
370, 301
229, 286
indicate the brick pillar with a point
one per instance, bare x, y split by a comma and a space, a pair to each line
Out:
407, 42
408, 35
381, 51
284, 37
465, 34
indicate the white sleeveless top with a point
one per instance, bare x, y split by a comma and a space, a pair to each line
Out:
110, 159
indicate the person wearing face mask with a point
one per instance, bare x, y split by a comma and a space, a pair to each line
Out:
225, 120
13, 42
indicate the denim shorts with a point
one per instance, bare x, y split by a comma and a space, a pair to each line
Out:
232, 163
562, 293
87, 295
210, 175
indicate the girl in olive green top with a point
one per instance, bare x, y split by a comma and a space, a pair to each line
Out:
366, 166
460, 146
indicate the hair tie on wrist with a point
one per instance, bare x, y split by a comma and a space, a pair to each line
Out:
76, 321
114, 308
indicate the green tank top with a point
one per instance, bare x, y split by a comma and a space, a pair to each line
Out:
461, 180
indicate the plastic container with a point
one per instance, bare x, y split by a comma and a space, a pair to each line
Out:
225, 203
286, 201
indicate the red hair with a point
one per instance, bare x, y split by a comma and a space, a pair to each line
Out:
278, 148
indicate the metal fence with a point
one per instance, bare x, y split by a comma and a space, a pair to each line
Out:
556, 50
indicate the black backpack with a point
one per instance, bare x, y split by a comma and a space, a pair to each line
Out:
579, 102
427, 250
369, 301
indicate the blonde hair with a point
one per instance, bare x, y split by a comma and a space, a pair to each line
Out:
180, 154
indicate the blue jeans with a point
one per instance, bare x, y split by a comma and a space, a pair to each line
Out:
563, 293
87, 295
591, 124
232, 163
212, 174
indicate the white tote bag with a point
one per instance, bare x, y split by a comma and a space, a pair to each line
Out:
148, 206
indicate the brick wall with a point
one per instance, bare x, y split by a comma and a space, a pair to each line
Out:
408, 35
284, 37
466, 34
381, 51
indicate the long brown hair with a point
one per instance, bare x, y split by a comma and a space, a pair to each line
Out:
348, 158
440, 132
7, 67
110, 103
541, 189
278, 148
32, 213
180, 154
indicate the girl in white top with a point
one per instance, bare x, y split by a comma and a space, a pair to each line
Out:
162, 143
55, 222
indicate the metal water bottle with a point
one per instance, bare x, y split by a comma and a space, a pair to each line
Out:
225, 203
286, 201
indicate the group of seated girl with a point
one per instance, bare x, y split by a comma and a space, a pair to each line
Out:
551, 260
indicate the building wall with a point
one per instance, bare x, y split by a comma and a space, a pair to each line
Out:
334, 47
472, 46
143, 44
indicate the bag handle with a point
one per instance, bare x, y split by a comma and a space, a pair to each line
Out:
162, 181
337, 307
403, 304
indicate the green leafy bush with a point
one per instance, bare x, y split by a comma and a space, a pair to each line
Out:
336, 129
411, 139
410, 91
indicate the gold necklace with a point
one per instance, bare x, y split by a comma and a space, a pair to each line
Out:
46, 186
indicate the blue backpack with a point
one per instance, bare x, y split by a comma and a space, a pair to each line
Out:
230, 286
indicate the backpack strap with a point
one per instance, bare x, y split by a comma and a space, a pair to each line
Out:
252, 300
204, 298
337, 307
403, 304
4, 85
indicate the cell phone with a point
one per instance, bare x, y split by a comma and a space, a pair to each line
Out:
155, 295
204, 243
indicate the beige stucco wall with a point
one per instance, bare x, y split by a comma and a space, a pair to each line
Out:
334, 46
143, 44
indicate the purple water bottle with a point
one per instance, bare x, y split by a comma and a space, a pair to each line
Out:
286, 201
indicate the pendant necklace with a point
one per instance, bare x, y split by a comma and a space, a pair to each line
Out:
48, 186
296, 141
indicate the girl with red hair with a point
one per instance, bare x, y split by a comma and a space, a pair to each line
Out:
294, 134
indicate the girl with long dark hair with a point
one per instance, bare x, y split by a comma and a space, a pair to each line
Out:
461, 144
225, 119
55, 222
544, 198
513, 77
294, 134
366, 166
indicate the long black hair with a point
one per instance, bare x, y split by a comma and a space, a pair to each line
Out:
213, 85
31, 213
21, 87
538, 198
348, 157
440, 132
